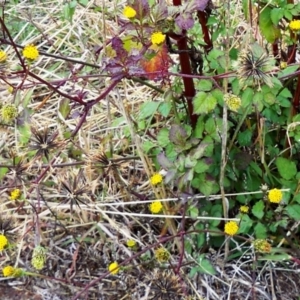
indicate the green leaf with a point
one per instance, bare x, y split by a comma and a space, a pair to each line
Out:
27, 97
247, 96
286, 168
64, 108
276, 15
258, 209
165, 108
245, 224
293, 211
178, 135
205, 266
147, 146
163, 137
3, 172
244, 138
267, 28
269, 98
260, 231
148, 109
198, 133
204, 103
201, 166
25, 133
204, 85
287, 71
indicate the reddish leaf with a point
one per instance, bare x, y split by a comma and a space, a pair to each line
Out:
157, 66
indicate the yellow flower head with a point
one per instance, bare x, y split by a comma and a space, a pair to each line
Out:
244, 209
295, 25
9, 112
156, 207
131, 243
30, 52
232, 101
156, 179
129, 12
3, 242
114, 268
39, 257
15, 194
3, 56
261, 245
157, 38
231, 228
8, 271
162, 254
275, 196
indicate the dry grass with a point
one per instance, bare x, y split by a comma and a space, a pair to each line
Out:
82, 239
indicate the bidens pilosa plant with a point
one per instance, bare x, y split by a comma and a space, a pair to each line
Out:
216, 136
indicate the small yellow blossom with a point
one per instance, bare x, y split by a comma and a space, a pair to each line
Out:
261, 245
3, 56
232, 101
231, 228
15, 194
283, 65
3, 242
9, 112
38, 257
131, 243
30, 52
157, 38
275, 196
244, 209
162, 254
295, 25
156, 207
114, 268
129, 12
8, 271
156, 179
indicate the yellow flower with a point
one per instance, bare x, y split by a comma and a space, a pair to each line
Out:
244, 209
131, 243
8, 271
156, 207
30, 52
114, 268
231, 228
275, 196
157, 38
9, 112
3, 242
283, 65
162, 255
232, 101
295, 25
129, 12
3, 56
156, 179
39, 257
261, 245
15, 194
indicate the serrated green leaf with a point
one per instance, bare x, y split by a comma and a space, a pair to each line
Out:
198, 133
286, 168
244, 138
293, 211
267, 28
148, 109
260, 231
165, 108
147, 146
247, 96
245, 224
276, 15
204, 103
201, 167
258, 209
210, 126
163, 137
288, 70
204, 85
